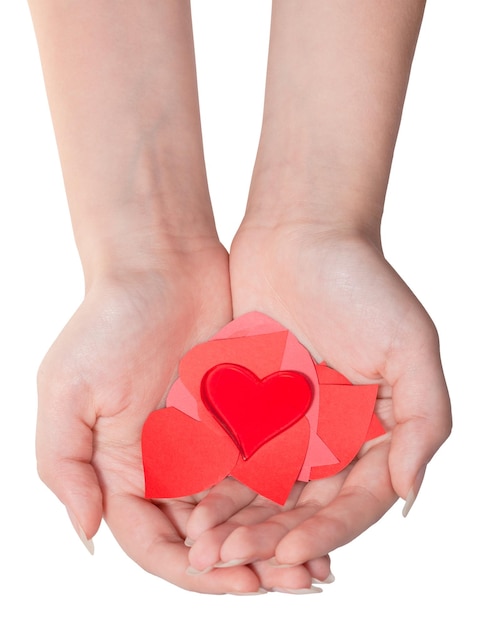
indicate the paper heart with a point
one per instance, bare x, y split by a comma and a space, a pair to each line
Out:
273, 469
252, 410
204, 454
346, 421
186, 450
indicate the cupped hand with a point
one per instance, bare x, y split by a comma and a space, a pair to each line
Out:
113, 364
336, 292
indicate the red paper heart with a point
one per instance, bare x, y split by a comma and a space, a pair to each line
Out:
253, 410
345, 416
273, 469
182, 456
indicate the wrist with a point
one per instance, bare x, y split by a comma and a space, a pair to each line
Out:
135, 240
327, 200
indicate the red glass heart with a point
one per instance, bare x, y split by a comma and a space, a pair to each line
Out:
253, 410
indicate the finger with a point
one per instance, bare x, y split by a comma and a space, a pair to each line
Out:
177, 511
254, 540
247, 544
320, 570
297, 577
422, 412
365, 497
222, 501
294, 580
152, 541
64, 451
205, 553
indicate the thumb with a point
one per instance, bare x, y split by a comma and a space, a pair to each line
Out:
64, 444
422, 412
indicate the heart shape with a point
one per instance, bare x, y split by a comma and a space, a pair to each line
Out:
182, 456
252, 410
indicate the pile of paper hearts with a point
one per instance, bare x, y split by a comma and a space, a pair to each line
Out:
251, 403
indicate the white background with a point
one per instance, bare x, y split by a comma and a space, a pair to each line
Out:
422, 570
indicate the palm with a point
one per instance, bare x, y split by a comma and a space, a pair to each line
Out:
340, 297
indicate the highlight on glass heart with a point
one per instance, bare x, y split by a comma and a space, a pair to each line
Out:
252, 404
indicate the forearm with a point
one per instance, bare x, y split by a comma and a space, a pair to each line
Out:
120, 78
336, 83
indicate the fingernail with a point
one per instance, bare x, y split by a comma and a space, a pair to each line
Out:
188, 542
88, 543
260, 591
328, 580
232, 563
298, 592
413, 493
196, 572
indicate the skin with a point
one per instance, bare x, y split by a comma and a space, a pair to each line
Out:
158, 281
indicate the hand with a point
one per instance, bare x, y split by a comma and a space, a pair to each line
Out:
110, 367
336, 292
